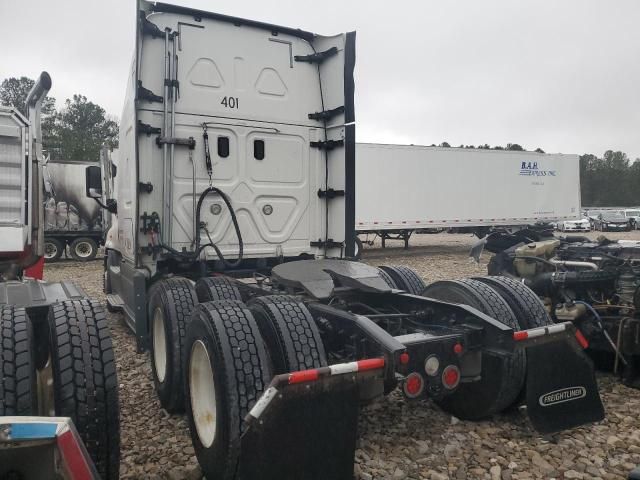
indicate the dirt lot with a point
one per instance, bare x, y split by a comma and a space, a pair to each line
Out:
399, 439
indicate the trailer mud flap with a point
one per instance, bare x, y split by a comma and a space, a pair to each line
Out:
562, 391
304, 427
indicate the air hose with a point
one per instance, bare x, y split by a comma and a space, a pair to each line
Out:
234, 219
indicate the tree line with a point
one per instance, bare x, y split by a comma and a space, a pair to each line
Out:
76, 131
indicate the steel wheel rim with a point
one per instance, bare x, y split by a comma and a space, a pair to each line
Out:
159, 345
83, 249
50, 250
202, 393
44, 380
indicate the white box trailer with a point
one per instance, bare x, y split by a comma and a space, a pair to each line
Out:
405, 188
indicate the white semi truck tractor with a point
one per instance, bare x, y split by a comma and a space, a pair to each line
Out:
56, 357
231, 262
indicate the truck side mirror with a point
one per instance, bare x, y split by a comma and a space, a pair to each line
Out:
93, 182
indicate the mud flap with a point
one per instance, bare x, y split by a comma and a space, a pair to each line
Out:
562, 392
305, 431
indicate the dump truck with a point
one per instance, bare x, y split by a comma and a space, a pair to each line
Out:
56, 355
230, 259
72, 221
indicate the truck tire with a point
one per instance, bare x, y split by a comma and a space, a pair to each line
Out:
387, 278
171, 303
85, 386
226, 372
83, 249
17, 363
210, 289
53, 249
405, 278
290, 332
526, 305
502, 379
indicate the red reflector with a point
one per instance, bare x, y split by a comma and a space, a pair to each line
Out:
522, 335
303, 376
413, 385
404, 358
72, 455
457, 348
451, 377
584, 343
370, 364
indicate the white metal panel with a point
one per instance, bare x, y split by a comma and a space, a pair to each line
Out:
13, 131
244, 83
403, 186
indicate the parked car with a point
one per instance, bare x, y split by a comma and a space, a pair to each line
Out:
592, 216
612, 221
582, 225
633, 215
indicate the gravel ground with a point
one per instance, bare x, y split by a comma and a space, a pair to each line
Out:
399, 439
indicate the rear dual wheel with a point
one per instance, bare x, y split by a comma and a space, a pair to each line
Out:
68, 370
404, 278
501, 379
53, 249
83, 249
227, 369
171, 304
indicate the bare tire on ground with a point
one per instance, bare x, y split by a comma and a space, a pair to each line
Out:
83, 249
290, 332
227, 371
53, 249
405, 278
85, 386
502, 379
210, 289
171, 303
17, 363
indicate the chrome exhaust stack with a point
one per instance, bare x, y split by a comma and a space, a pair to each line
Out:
33, 107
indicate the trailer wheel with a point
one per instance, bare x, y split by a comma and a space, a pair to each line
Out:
502, 379
17, 363
85, 387
53, 249
387, 278
171, 303
526, 305
226, 372
210, 289
83, 249
405, 278
290, 332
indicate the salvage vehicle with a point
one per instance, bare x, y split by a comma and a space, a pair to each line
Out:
633, 215
582, 225
611, 221
72, 221
230, 260
56, 356
593, 283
